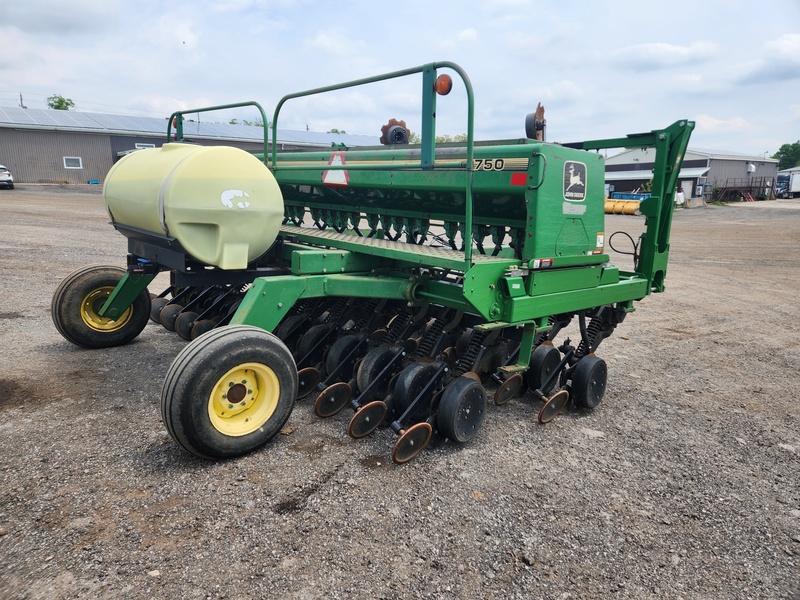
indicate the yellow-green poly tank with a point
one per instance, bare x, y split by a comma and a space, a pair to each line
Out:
220, 203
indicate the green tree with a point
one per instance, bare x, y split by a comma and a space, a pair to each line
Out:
334, 130
414, 138
58, 102
788, 155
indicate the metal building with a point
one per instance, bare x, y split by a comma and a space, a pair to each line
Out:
705, 173
58, 146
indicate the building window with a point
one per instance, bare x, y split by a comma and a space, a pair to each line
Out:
73, 162
143, 146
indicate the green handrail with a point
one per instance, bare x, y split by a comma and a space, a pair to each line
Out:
428, 131
177, 118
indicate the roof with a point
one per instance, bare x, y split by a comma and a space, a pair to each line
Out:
690, 173
648, 155
790, 170
74, 121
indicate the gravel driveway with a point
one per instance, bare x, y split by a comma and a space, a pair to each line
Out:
683, 483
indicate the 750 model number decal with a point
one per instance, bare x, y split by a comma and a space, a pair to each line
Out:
499, 164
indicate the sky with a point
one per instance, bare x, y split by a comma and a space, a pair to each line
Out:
601, 69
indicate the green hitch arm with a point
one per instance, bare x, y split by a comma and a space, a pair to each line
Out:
126, 292
670, 144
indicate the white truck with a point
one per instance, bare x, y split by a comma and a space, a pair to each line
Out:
788, 183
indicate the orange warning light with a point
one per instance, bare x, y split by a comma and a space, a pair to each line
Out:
443, 85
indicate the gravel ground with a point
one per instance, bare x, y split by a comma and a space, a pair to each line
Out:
683, 483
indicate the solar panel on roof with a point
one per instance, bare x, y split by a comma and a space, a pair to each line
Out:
197, 127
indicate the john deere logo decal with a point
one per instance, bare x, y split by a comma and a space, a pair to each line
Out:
574, 181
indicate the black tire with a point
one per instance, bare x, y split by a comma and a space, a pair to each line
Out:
461, 409
198, 392
340, 352
78, 298
589, 381
544, 361
410, 383
371, 366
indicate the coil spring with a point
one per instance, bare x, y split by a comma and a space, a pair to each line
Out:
592, 329
429, 339
397, 325
466, 362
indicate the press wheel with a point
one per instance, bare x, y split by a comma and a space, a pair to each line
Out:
341, 356
461, 409
411, 442
290, 330
589, 381
544, 360
410, 383
332, 399
371, 366
367, 419
310, 346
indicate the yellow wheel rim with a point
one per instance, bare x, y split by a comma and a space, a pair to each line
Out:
244, 399
92, 303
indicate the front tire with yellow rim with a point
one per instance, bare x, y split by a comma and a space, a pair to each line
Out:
78, 299
229, 392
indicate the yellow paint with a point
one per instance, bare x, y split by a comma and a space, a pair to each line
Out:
244, 399
92, 303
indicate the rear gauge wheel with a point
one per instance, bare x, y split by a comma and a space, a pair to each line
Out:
229, 392
410, 384
311, 345
461, 409
373, 364
341, 356
589, 381
78, 300
544, 360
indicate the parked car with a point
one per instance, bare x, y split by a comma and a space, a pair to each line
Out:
6, 178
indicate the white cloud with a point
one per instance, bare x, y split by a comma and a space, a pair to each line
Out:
660, 55
599, 69
786, 46
61, 18
709, 123
333, 44
781, 64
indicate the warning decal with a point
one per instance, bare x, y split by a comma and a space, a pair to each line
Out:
336, 177
574, 181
